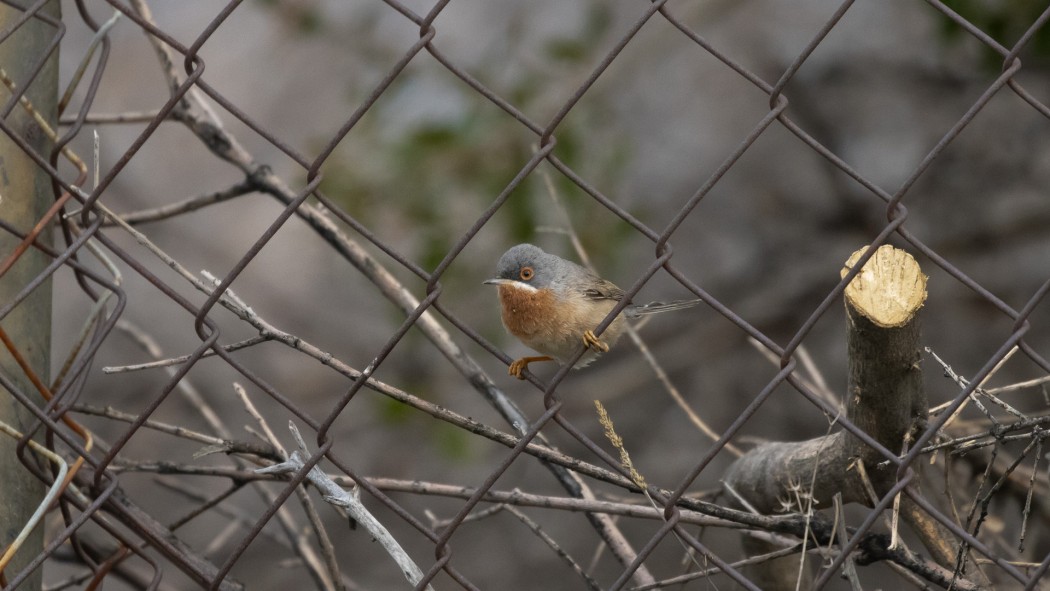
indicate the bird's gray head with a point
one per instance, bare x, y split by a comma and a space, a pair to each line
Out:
528, 266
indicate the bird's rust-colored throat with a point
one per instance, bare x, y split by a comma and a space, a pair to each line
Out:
527, 311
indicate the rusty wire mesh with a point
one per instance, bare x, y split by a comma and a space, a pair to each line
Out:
148, 532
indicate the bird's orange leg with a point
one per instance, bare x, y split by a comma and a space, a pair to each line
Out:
522, 364
592, 342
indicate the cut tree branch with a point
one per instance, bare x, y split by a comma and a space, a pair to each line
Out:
885, 399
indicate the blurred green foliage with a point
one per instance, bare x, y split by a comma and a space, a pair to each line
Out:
437, 173
1005, 21
453, 442
303, 16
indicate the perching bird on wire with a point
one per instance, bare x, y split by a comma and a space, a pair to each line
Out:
552, 305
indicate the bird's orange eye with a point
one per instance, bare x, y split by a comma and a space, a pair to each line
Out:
526, 273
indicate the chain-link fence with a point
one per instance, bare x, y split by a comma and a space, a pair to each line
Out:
735, 153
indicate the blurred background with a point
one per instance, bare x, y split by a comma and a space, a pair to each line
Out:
432, 154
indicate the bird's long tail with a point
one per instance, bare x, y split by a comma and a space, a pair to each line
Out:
657, 307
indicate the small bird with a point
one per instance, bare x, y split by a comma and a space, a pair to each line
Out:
552, 304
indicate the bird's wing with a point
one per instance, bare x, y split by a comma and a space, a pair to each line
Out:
601, 289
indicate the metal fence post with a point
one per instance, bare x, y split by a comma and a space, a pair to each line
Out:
25, 194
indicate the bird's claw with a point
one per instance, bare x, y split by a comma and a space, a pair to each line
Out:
592, 342
518, 366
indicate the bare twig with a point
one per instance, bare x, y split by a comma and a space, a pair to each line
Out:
176, 430
187, 205
185, 386
516, 497
1038, 455
814, 381
979, 391
1019, 385
326, 571
109, 118
558, 550
749, 561
238, 517
335, 495
183, 358
849, 568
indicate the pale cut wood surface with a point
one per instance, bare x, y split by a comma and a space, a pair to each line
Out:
890, 288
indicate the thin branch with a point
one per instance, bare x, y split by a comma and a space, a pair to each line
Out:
749, 561
558, 550
326, 571
814, 382
109, 118
335, 495
1019, 385
1028, 497
184, 358
236, 515
978, 391
516, 497
849, 569
187, 205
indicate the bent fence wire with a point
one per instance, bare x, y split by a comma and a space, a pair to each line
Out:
153, 482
